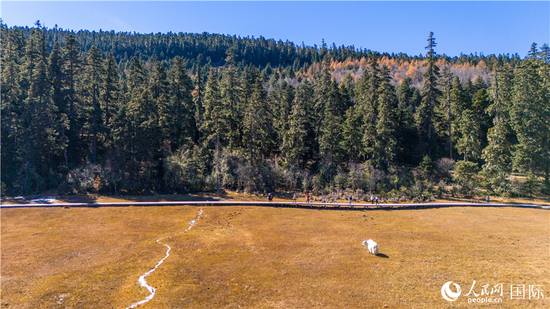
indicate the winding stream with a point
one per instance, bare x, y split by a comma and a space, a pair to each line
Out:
142, 280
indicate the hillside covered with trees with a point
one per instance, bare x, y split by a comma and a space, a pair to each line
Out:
127, 113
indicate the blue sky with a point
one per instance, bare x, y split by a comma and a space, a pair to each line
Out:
490, 27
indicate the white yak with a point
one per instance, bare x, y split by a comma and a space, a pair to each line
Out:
371, 246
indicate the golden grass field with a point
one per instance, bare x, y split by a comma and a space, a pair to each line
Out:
259, 257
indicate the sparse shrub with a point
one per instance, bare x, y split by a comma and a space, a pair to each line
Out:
375, 177
356, 178
531, 184
306, 182
444, 167
359, 194
466, 175
427, 166
417, 188
405, 192
87, 179
245, 173
494, 179
441, 189
340, 180
184, 170
316, 184
516, 188
393, 193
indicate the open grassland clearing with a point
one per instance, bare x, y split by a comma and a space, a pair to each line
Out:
257, 257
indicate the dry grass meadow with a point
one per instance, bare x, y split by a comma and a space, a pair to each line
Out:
254, 257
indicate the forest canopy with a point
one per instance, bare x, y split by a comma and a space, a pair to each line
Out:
128, 113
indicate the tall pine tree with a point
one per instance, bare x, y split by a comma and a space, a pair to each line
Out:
530, 116
425, 113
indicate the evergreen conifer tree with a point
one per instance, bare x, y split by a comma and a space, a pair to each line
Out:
93, 81
72, 69
469, 143
368, 103
257, 125
530, 116
231, 94
425, 113
178, 119
110, 96
352, 136
331, 131
497, 154
386, 141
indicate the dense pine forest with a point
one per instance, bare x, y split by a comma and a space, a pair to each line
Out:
127, 113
